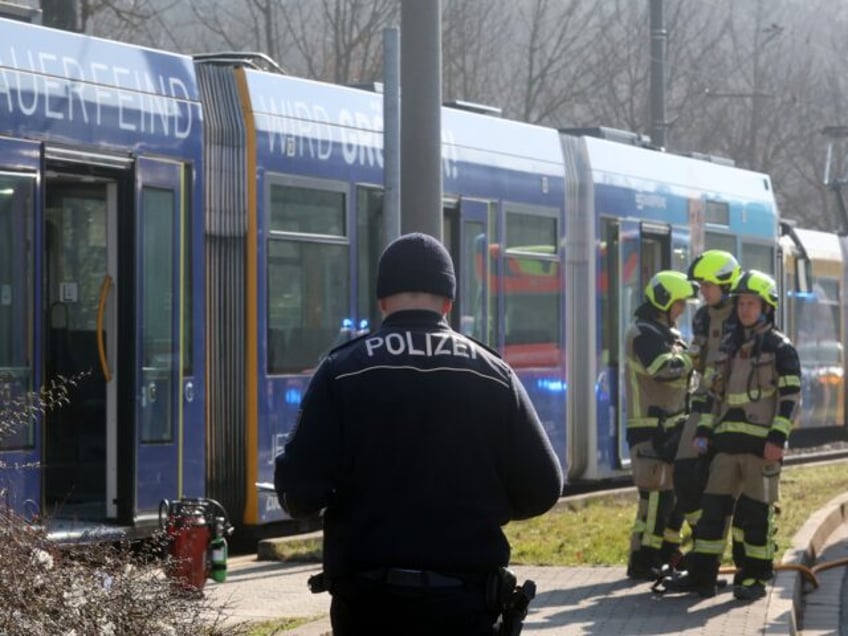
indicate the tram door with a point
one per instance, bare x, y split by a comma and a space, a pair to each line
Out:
642, 250
161, 402
81, 293
473, 312
113, 311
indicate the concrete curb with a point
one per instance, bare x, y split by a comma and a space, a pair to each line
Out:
272, 549
785, 598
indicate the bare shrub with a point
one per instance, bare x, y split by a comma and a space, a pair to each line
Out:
88, 588
24, 409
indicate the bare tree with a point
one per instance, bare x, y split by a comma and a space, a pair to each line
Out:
341, 40
474, 56
250, 25
557, 66
758, 111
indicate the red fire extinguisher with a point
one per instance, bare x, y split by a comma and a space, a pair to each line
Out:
195, 532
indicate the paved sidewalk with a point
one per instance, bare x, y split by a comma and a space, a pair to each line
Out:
596, 601
579, 600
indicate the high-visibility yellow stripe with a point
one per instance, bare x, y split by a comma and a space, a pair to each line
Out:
251, 508
643, 422
662, 359
757, 552
782, 425
754, 430
650, 537
738, 399
789, 380
658, 362
692, 518
636, 407
715, 547
672, 536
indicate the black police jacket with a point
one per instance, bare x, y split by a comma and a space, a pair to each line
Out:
420, 444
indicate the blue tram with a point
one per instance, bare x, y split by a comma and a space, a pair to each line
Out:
101, 171
188, 237
554, 234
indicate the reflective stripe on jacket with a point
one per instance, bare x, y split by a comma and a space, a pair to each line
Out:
657, 377
759, 395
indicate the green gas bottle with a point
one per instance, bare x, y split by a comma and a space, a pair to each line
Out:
218, 553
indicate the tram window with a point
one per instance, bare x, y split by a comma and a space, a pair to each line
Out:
825, 323
716, 241
817, 332
308, 276
159, 347
759, 257
531, 233
307, 211
717, 212
532, 280
16, 303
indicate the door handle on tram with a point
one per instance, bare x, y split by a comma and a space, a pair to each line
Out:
105, 286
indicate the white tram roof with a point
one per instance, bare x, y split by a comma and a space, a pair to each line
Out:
820, 246
636, 167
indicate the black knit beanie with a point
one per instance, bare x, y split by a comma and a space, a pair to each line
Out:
416, 263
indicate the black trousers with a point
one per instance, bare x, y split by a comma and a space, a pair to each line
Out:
362, 606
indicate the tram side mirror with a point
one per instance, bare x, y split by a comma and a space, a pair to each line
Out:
803, 276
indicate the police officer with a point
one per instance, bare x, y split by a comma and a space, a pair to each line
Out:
715, 271
419, 444
657, 382
756, 395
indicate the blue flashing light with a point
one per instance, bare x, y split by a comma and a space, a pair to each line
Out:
552, 385
810, 295
363, 324
347, 323
293, 396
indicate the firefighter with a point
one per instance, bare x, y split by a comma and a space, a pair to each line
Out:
657, 379
753, 399
715, 271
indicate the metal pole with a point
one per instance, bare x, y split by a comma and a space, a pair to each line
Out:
421, 117
658, 40
391, 133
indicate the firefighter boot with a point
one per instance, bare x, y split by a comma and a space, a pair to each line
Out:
749, 590
752, 580
700, 579
644, 564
